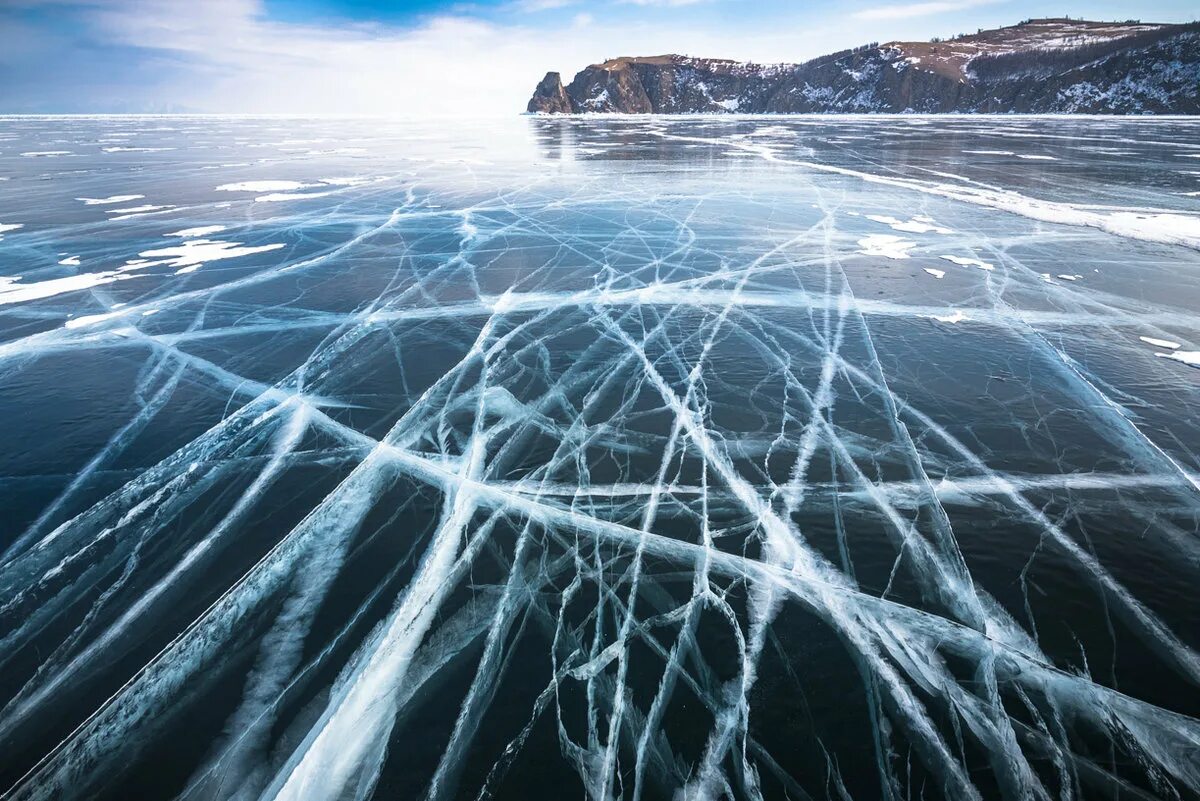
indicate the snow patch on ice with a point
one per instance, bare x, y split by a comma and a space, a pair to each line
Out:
192, 253
886, 245
100, 201
276, 197
935, 272
1160, 343
203, 230
956, 317
349, 181
15, 292
261, 186
1188, 357
916, 225
1171, 228
137, 211
135, 149
90, 319
963, 261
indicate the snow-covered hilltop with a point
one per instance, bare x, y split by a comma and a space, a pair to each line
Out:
1038, 66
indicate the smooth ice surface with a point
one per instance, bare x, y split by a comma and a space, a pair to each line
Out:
638, 458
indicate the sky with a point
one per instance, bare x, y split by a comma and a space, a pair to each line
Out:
432, 57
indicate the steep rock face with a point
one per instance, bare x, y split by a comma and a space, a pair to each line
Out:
1041, 66
612, 86
550, 97
1160, 78
868, 80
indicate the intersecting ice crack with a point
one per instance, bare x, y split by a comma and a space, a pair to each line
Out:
640, 483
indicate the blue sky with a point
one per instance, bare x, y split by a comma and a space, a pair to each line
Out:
431, 56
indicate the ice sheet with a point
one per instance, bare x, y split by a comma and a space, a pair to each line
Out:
604, 458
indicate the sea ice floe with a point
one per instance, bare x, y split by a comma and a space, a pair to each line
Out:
935, 272
1066, 277
1160, 343
886, 245
70, 261
43, 153
1030, 157
963, 261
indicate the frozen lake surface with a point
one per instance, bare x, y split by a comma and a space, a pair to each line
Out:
696, 458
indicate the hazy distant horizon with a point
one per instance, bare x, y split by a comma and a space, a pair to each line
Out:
429, 57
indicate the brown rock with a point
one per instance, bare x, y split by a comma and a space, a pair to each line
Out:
550, 97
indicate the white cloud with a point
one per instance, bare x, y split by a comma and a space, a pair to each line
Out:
908, 10
663, 3
543, 5
230, 56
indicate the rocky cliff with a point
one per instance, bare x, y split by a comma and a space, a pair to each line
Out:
1038, 66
